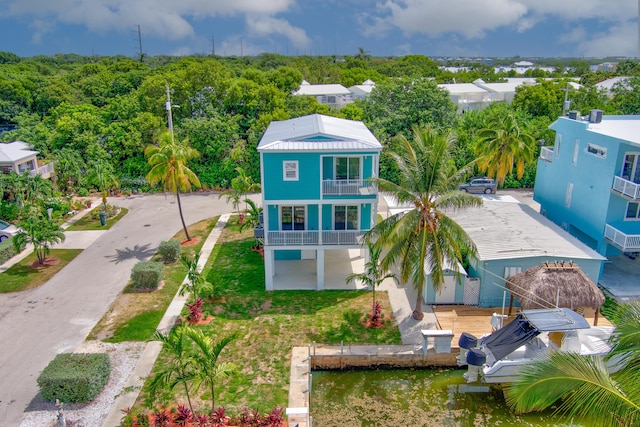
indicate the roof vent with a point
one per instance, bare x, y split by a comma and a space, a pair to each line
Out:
595, 116
574, 115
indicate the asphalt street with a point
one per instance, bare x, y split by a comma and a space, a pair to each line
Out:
56, 317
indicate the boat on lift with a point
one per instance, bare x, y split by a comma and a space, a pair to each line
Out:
500, 356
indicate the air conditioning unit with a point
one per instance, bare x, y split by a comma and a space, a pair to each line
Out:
574, 115
595, 116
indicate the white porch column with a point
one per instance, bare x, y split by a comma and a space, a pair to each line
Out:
320, 269
269, 268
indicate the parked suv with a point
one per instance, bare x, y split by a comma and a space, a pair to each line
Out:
7, 230
479, 185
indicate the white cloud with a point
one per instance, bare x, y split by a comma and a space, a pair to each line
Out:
267, 25
164, 18
473, 18
619, 40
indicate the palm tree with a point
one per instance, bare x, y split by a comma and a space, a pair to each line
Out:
168, 162
253, 219
101, 175
241, 185
41, 232
362, 54
586, 386
424, 239
208, 370
502, 145
373, 274
178, 369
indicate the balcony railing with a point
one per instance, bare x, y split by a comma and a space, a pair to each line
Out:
546, 154
626, 242
626, 187
311, 238
347, 187
42, 170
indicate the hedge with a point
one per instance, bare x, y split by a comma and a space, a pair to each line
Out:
170, 251
74, 377
6, 250
146, 275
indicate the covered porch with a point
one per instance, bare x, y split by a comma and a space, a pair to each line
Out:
303, 275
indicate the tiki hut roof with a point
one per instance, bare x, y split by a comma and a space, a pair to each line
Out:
538, 287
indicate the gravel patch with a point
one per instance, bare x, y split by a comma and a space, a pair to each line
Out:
123, 357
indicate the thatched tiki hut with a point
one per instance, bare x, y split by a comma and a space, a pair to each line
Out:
552, 284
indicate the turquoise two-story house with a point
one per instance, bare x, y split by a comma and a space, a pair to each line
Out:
589, 181
317, 196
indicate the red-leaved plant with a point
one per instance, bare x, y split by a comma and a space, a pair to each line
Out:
195, 311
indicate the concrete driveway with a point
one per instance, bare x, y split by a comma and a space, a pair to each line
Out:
56, 317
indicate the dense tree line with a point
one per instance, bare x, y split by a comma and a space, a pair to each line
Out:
82, 111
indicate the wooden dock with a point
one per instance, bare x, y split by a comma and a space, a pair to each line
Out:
477, 320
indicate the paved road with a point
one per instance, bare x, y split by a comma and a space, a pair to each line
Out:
56, 317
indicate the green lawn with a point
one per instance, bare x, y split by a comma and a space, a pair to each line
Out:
89, 223
269, 324
26, 274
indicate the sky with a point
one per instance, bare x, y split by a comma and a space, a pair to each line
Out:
451, 28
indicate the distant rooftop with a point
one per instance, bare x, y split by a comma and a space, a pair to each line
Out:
14, 151
316, 90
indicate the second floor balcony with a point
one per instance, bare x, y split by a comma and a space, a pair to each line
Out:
347, 187
314, 238
626, 188
625, 242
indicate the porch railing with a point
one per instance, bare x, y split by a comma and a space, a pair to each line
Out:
42, 170
626, 187
626, 242
546, 154
311, 238
347, 187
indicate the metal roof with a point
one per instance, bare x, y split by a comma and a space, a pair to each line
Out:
626, 128
14, 151
556, 319
504, 228
461, 88
315, 90
318, 132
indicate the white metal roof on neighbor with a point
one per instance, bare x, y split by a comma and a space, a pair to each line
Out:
14, 151
315, 90
318, 132
503, 228
461, 88
622, 127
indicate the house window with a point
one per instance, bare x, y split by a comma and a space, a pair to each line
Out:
347, 168
290, 170
557, 144
567, 197
597, 150
292, 217
511, 271
345, 218
631, 168
633, 211
576, 151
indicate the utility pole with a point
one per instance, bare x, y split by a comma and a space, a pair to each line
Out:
168, 107
567, 103
242, 49
140, 54
213, 44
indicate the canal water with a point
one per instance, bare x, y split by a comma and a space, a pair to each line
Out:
415, 398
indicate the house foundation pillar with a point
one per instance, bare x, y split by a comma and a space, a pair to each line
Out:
269, 268
320, 269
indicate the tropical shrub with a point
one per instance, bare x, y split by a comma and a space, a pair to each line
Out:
9, 211
146, 275
83, 192
74, 377
170, 251
6, 250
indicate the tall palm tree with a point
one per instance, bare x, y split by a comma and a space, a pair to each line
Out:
178, 368
168, 162
424, 239
373, 274
502, 145
208, 370
586, 386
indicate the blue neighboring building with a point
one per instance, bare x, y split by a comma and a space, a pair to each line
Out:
589, 182
316, 192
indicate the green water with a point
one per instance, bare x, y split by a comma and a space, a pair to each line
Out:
390, 398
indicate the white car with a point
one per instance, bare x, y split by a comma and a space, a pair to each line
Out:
7, 230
